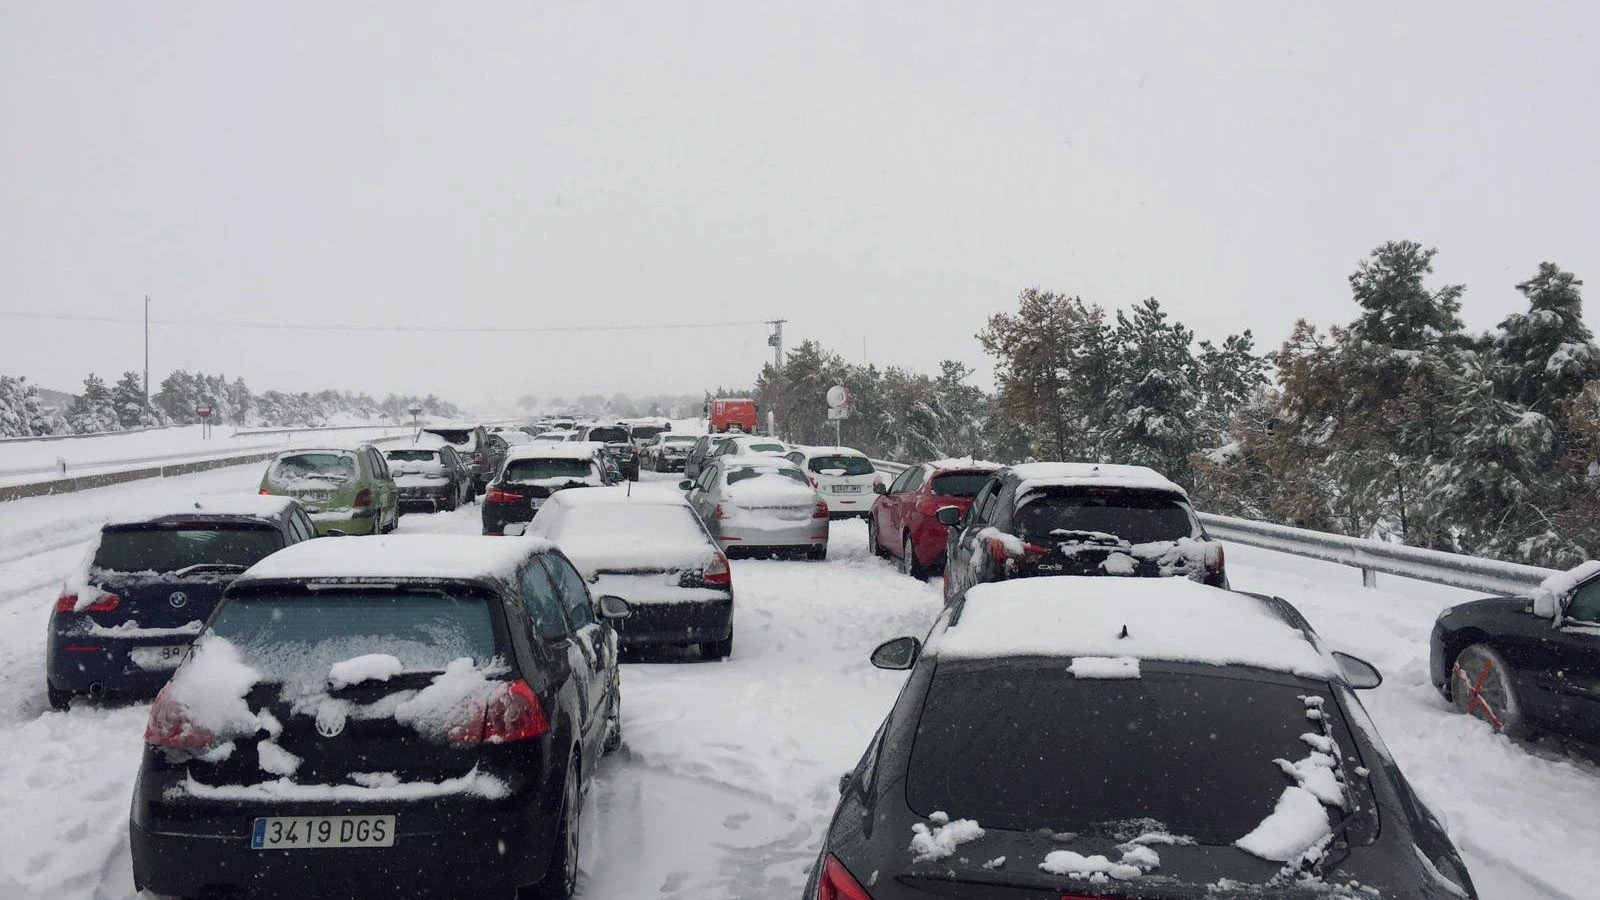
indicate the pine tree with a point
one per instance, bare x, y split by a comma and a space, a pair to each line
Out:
1398, 310
1054, 367
1545, 356
1151, 417
127, 399
94, 411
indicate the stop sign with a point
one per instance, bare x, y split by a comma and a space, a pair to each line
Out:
203, 412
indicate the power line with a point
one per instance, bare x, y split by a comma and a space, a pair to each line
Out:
430, 329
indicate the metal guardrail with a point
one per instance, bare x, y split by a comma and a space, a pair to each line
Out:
75, 437
1473, 573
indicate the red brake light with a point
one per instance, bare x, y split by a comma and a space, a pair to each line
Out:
720, 513
836, 883
997, 550
1215, 559
363, 498
512, 714
265, 492
496, 495
821, 512
67, 603
169, 725
717, 572
1034, 551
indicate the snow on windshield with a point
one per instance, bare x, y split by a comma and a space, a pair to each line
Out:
169, 549
312, 470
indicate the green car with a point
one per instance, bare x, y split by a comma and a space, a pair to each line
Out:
345, 490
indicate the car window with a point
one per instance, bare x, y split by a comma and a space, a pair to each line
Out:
170, 548
411, 455
461, 437
1585, 604
747, 473
981, 504
898, 486
573, 591
313, 470
609, 434
380, 469
1137, 517
706, 480
841, 465
959, 484
1022, 746
544, 603
300, 526
527, 470
913, 483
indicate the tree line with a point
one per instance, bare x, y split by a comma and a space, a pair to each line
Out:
1399, 425
120, 406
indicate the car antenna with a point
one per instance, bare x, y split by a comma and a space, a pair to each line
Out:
1124, 634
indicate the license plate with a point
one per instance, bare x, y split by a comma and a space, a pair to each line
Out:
536, 502
314, 496
847, 489
166, 656
319, 832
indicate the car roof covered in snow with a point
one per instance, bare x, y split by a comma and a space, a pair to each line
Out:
423, 441
447, 556
614, 498
830, 451
771, 463
560, 450
298, 451
1168, 619
241, 506
1039, 476
964, 464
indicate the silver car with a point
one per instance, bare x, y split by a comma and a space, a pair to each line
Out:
758, 506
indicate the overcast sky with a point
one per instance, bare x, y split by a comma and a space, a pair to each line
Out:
893, 172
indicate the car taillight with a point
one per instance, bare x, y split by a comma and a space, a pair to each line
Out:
1000, 553
717, 572
836, 882
169, 725
496, 495
512, 714
265, 492
363, 498
821, 510
1215, 559
719, 512
104, 603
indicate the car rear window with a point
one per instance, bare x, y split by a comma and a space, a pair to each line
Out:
170, 548
1024, 745
537, 469
640, 432
761, 448
461, 437
841, 465
679, 440
1137, 517
959, 484
411, 455
746, 474
297, 631
627, 523
608, 435
313, 470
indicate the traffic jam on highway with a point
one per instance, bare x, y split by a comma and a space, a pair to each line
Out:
1086, 709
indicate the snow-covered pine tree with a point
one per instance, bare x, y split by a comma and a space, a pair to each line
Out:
1543, 357
93, 411
1152, 417
1398, 310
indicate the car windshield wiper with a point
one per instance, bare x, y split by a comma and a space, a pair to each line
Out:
210, 567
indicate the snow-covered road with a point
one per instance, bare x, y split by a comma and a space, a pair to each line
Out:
730, 769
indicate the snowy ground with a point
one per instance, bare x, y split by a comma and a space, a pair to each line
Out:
730, 769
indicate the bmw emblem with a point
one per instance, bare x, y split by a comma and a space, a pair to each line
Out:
178, 599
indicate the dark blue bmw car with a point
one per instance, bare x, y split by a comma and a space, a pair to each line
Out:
125, 620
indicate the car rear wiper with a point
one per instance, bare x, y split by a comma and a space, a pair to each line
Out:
210, 567
1097, 538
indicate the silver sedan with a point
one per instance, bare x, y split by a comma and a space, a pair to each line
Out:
759, 505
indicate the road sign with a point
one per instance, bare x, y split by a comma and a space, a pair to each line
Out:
203, 412
839, 397
840, 412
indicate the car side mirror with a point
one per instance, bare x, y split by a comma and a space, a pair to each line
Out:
897, 655
686, 485
613, 608
1361, 674
1545, 604
878, 488
949, 515
516, 529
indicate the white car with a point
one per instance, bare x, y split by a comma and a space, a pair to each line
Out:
844, 477
752, 445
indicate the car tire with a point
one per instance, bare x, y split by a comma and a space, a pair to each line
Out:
1483, 686
714, 650
561, 878
59, 699
817, 553
908, 559
872, 539
613, 741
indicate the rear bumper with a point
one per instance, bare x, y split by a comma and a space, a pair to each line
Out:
805, 533
106, 670
676, 623
360, 521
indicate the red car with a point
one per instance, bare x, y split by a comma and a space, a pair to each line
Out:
902, 522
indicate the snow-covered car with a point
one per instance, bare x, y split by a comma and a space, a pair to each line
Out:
653, 552
415, 715
757, 506
1077, 519
751, 445
842, 475
705, 447
126, 616
430, 475
666, 452
1084, 737
345, 490
471, 441
904, 519
534, 472
1524, 664
555, 436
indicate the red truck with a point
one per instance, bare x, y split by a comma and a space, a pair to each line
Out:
733, 414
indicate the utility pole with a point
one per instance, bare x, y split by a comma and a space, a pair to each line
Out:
775, 341
146, 351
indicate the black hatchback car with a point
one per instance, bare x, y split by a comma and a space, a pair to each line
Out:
1076, 519
619, 440
534, 472
1150, 739
1523, 665
409, 716
125, 620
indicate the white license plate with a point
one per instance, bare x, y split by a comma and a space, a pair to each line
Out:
314, 496
536, 502
166, 656
847, 489
319, 832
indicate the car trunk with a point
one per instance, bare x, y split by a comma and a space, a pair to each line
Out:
171, 574
1097, 531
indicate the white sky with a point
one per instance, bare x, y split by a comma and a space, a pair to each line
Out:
893, 171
